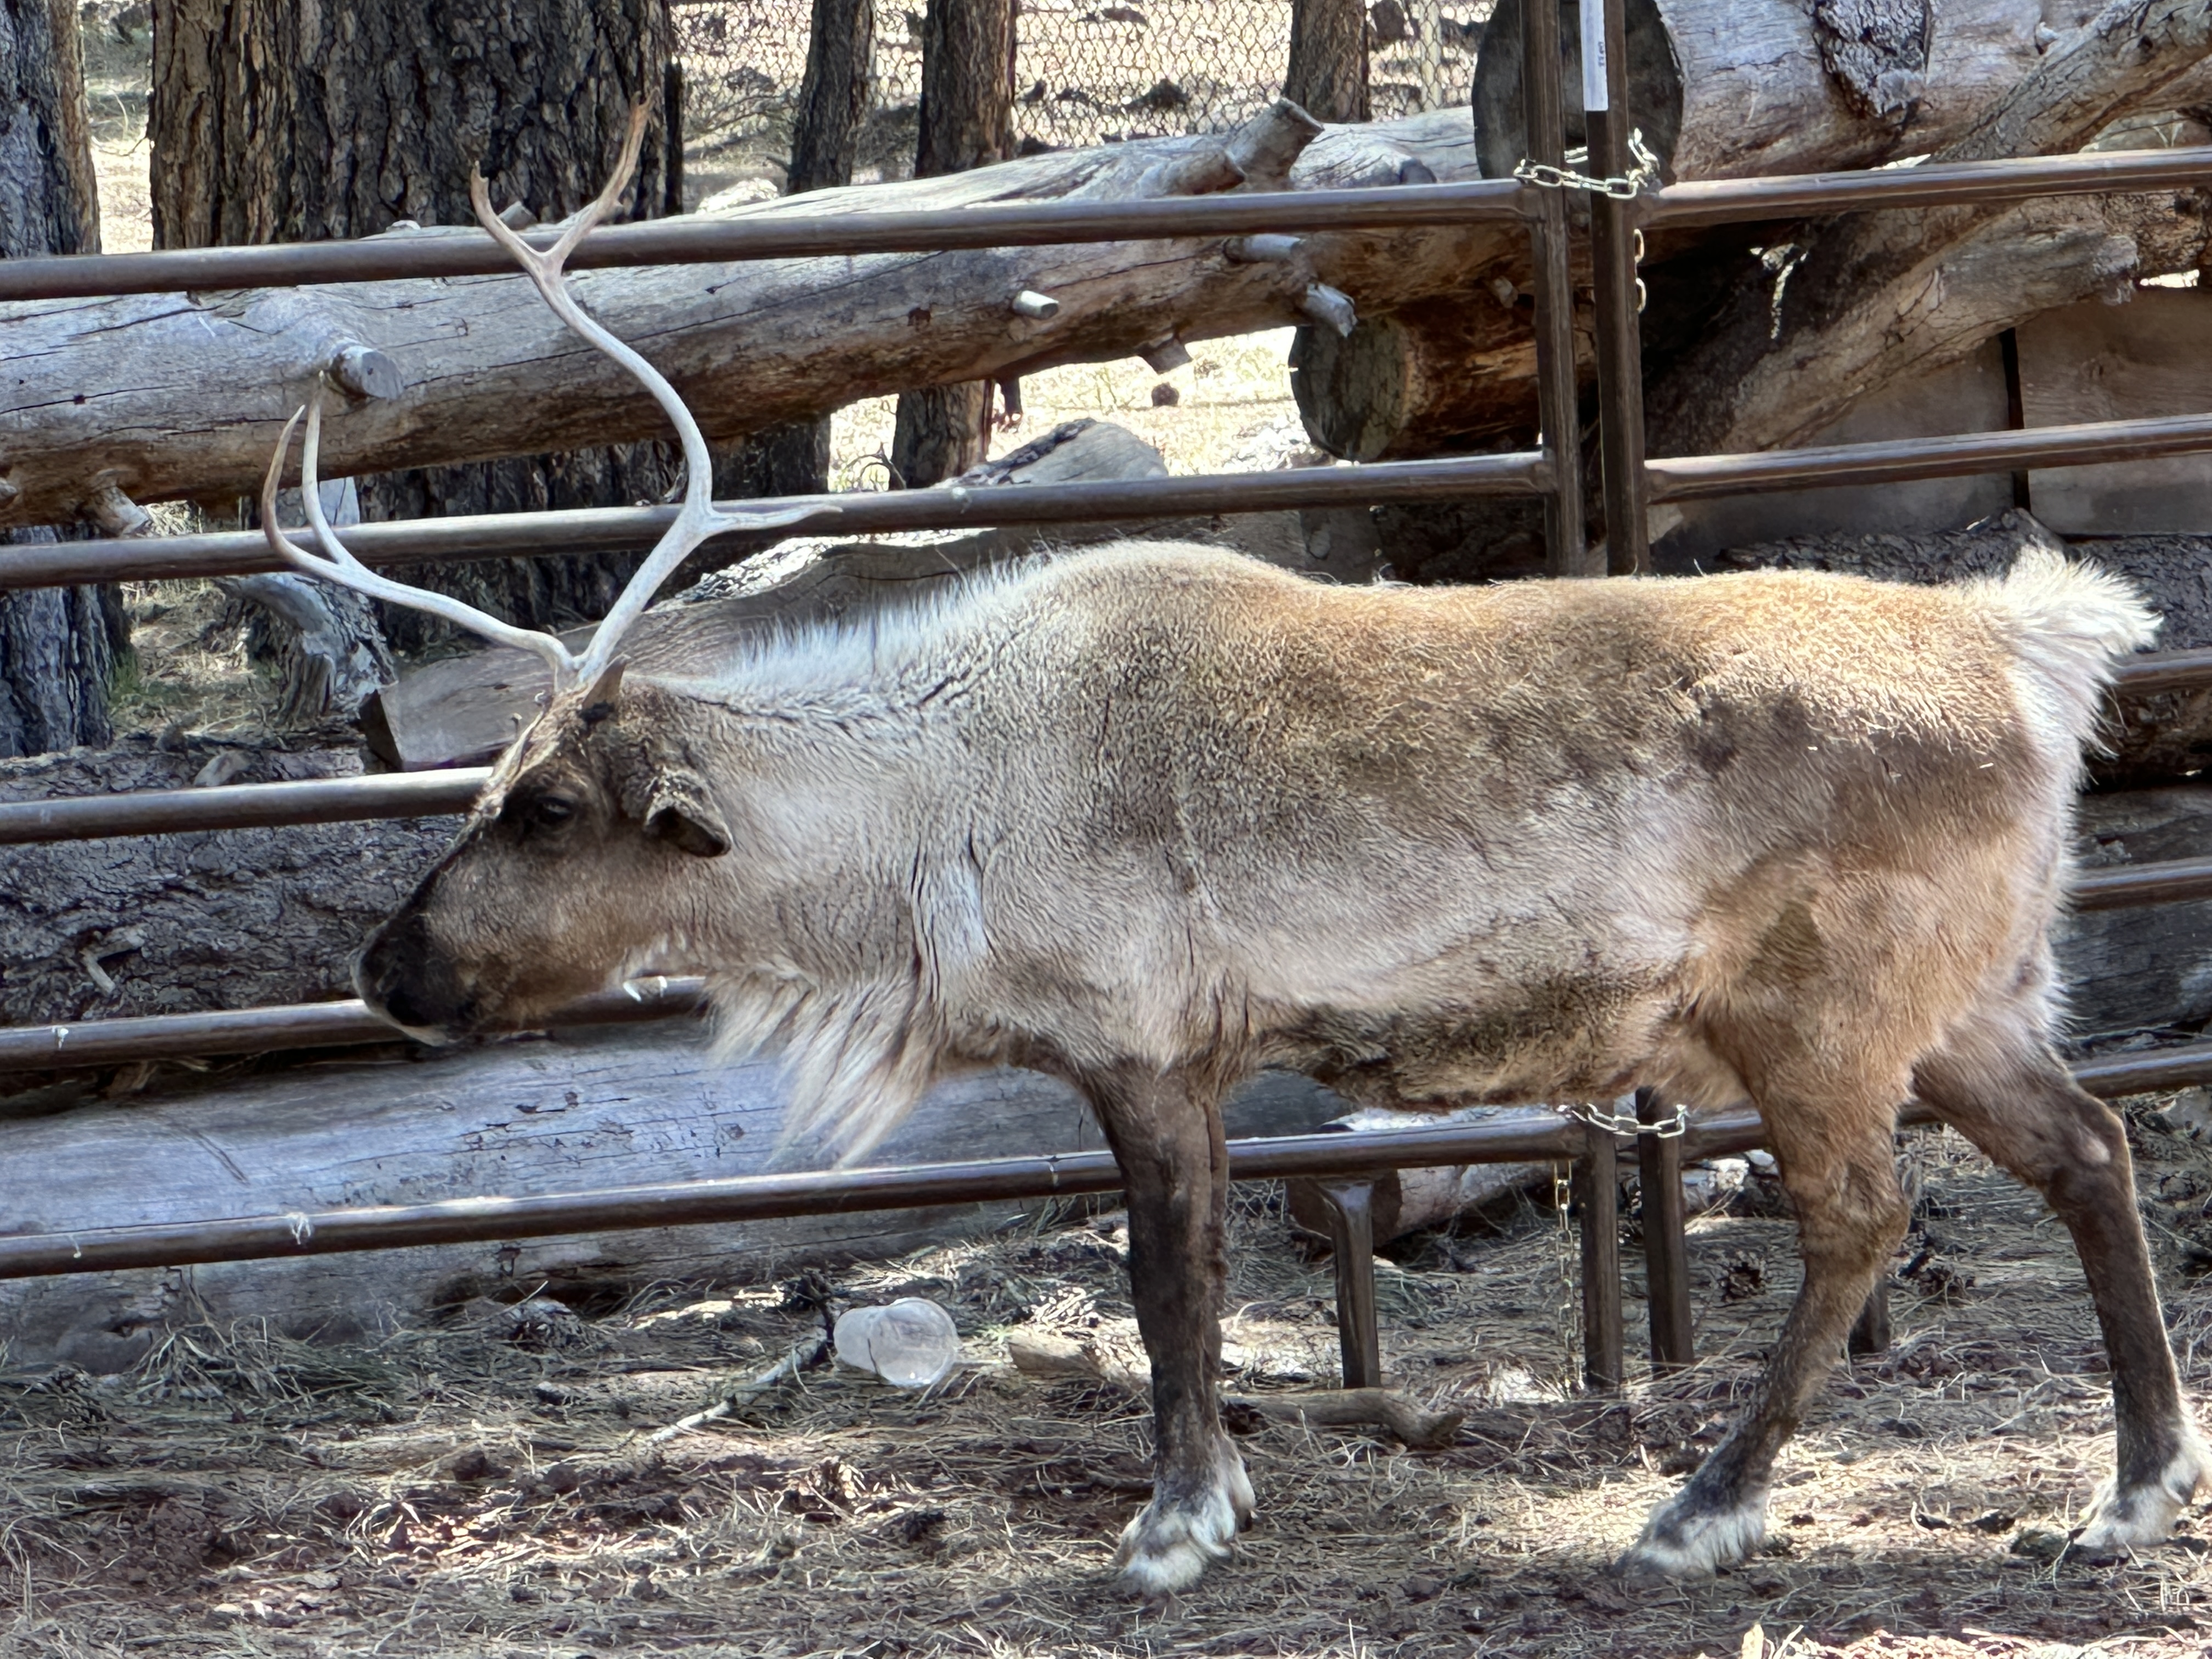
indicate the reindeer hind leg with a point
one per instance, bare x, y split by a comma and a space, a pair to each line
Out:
1997, 1081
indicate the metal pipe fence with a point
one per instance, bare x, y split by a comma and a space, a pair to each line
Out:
1632, 482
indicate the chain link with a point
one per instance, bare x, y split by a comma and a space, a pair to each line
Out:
1644, 174
1620, 1123
1566, 1261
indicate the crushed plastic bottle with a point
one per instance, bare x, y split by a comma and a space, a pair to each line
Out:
910, 1343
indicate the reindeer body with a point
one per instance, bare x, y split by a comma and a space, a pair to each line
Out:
1153, 816
1166, 806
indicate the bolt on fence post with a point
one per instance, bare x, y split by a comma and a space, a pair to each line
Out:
1352, 1231
1599, 1169
1666, 1250
1545, 143
1612, 258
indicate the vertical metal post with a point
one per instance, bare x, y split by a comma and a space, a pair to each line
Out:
1351, 1231
1612, 257
1601, 1214
1665, 1249
1557, 403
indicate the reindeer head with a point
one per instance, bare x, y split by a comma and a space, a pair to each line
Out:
588, 857
586, 848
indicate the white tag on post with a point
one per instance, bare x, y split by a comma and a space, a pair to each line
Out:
1594, 96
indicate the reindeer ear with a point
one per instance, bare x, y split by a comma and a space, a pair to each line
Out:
680, 813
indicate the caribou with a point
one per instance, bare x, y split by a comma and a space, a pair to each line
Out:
1150, 818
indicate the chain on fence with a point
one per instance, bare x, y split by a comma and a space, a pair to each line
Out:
1085, 72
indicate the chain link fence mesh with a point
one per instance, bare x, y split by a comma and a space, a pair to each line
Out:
1084, 73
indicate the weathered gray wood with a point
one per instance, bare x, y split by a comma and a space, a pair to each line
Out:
1734, 88
551, 1115
2141, 970
184, 394
463, 709
1880, 297
2099, 362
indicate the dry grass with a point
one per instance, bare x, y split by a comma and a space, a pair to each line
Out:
489, 1487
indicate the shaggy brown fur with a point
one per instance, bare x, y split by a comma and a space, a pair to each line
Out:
1154, 816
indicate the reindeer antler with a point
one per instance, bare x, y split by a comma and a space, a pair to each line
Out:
695, 521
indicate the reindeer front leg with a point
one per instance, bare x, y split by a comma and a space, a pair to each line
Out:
1166, 1134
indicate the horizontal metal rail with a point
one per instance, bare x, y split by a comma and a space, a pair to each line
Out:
832, 1192
779, 236
453, 790
2153, 672
335, 1024
691, 241
2128, 885
242, 805
293, 1025
609, 530
749, 1198
2087, 443
1789, 196
632, 529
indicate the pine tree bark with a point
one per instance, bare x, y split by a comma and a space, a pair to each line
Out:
57, 645
1328, 72
833, 99
967, 121
278, 123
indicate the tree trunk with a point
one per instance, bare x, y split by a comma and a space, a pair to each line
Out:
833, 99
967, 121
57, 645
1326, 75
794, 458
378, 114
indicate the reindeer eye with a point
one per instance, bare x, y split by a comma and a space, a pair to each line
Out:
551, 812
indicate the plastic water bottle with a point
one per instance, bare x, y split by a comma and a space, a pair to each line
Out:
910, 1343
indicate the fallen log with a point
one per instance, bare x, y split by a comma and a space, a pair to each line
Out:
592, 1110
1876, 298
183, 395
1735, 88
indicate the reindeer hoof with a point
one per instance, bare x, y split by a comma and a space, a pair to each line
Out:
1174, 1540
2123, 1518
1690, 1536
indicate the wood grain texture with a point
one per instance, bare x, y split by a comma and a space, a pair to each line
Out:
544, 1115
2099, 362
184, 395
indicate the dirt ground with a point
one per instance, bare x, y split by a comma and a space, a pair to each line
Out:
490, 1487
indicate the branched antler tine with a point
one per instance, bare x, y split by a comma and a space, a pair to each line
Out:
696, 520
311, 494
342, 567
